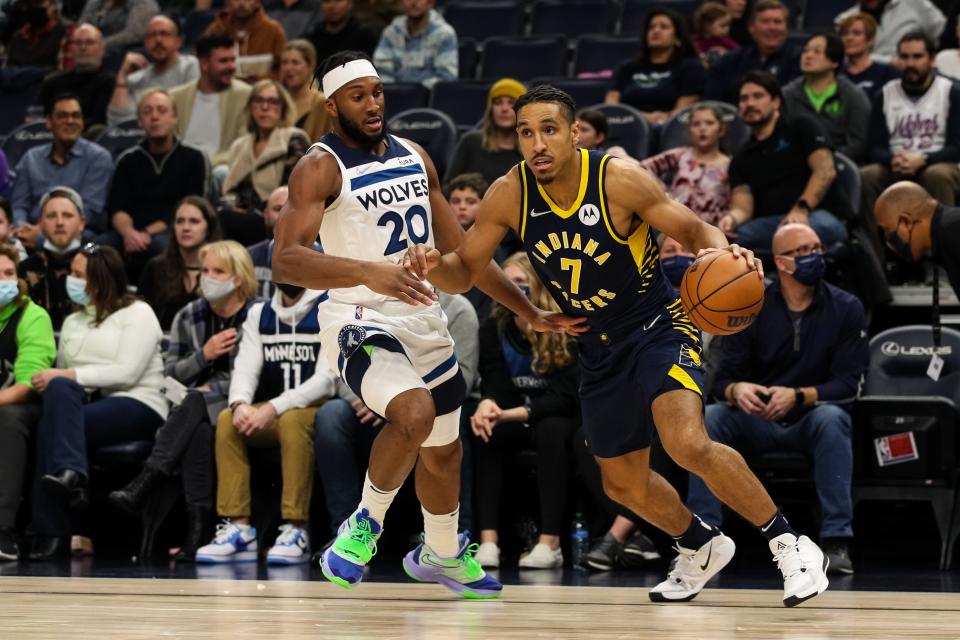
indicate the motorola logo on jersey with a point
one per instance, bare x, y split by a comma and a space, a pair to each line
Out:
589, 215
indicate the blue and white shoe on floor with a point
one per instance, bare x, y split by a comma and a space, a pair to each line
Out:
292, 546
232, 543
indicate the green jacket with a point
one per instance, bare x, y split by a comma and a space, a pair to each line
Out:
36, 349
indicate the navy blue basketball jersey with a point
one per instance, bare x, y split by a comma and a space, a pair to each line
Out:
588, 267
289, 354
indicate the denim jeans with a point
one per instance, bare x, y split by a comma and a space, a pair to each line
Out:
824, 434
758, 232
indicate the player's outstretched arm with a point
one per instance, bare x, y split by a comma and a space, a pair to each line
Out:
633, 188
314, 180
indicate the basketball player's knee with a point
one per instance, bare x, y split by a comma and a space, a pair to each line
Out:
443, 459
415, 421
631, 494
692, 454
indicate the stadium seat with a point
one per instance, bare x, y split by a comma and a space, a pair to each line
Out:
467, 56
524, 58
905, 439
120, 137
674, 131
434, 130
402, 96
481, 20
596, 53
635, 13
24, 138
626, 127
194, 25
465, 102
295, 23
583, 91
20, 88
572, 17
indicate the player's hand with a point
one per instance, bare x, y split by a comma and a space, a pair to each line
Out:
485, 418
746, 395
365, 415
739, 252
396, 282
420, 259
554, 322
782, 400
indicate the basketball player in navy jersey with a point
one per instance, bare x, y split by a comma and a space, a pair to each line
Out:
587, 222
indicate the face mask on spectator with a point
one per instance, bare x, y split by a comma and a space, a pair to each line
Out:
8, 291
674, 267
216, 290
900, 246
77, 290
291, 290
808, 269
49, 246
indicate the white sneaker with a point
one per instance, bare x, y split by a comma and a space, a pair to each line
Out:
693, 569
232, 543
542, 557
292, 546
488, 555
803, 565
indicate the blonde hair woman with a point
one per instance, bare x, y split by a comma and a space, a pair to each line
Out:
528, 379
296, 72
204, 339
262, 160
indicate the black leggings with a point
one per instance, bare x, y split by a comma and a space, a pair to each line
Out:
185, 443
551, 438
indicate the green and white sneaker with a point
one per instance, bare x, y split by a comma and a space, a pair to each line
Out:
355, 545
461, 574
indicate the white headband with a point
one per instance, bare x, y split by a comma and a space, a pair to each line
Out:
346, 73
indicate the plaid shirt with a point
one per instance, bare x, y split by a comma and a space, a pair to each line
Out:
426, 57
184, 361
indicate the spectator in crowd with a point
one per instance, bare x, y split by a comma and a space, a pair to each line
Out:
711, 31
198, 364
675, 260
4, 175
779, 381
122, 22
262, 252
88, 80
151, 178
465, 193
6, 229
769, 51
296, 72
739, 20
210, 112
26, 348
593, 128
166, 68
342, 30
858, 32
44, 41
914, 129
492, 150
699, 171
105, 390
527, 379
896, 18
344, 428
255, 33
45, 271
262, 160
418, 46
782, 174
171, 280
666, 76
841, 107
69, 160
277, 383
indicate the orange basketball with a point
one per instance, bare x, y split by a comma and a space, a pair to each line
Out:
722, 294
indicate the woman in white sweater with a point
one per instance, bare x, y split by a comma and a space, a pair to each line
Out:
105, 390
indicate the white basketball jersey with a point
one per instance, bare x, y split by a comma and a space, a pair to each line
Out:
918, 126
382, 209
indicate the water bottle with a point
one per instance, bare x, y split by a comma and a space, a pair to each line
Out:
579, 539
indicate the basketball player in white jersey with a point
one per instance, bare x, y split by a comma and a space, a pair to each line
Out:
371, 195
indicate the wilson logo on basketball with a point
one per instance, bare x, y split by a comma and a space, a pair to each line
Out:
736, 322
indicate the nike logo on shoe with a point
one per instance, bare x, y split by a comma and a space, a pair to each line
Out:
709, 553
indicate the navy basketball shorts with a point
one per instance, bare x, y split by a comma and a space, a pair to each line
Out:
621, 373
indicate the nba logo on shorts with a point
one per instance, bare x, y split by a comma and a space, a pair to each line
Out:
350, 338
689, 357
589, 215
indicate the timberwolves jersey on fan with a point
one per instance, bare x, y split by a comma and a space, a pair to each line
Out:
590, 269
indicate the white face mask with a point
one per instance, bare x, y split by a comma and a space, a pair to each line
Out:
49, 246
216, 290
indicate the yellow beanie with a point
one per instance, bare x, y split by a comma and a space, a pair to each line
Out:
506, 87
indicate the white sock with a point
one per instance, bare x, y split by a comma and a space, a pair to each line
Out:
376, 501
440, 532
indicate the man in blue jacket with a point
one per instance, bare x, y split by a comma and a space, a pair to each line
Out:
778, 383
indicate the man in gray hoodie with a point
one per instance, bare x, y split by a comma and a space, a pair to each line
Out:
841, 106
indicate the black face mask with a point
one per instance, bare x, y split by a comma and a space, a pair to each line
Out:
900, 246
37, 17
291, 290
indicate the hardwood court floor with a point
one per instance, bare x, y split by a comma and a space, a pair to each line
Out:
130, 609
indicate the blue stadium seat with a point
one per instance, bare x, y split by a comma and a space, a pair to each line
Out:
481, 20
24, 138
194, 25
467, 57
120, 137
403, 96
572, 17
583, 91
524, 58
464, 101
635, 13
627, 128
600, 53
674, 131
433, 130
